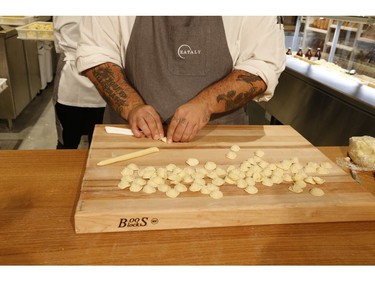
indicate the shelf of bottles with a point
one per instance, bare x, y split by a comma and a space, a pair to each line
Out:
348, 42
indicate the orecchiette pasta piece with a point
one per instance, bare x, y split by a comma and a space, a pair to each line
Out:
123, 184
180, 187
212, 187
129, 178
298, 177
152, 183
205, 190
212, 175
250, 181
235, 148
163, 187
229, 180
127, 172
316, 191
263, 164
187, 179
216, 194
267, 173
231, 155
200, 181
135, 187
140, 181
170, 167
162, 172
241, 183
172, 193
201, 170
133, 167
218, 181
192, 162
251, 189
287, 178
220, 172
300, 184
259, 153
319, 180
310, 180
267, 182
194, 187
149, 189
276, 179
295, 189
210, 166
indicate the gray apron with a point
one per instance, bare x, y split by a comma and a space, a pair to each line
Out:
169, 60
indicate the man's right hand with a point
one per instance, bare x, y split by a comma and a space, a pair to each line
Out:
144, 121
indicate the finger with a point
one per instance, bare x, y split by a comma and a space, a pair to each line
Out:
186, 135
136, 131
180, 129
154, 125
143, 126
171, 128
193, 132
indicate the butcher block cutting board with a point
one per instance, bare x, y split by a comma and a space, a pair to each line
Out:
104, 207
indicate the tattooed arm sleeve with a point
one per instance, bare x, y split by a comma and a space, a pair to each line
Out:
111, 83
232, 92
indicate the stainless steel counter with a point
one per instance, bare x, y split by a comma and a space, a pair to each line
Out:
327, 108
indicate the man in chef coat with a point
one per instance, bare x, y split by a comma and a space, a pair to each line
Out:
182, 71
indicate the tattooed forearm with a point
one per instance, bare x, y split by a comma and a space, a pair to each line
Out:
112, 85
233, 100
105, 80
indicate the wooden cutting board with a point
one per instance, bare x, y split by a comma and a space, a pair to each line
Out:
103, 207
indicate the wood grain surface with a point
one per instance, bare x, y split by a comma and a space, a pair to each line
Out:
39, 190
103, 207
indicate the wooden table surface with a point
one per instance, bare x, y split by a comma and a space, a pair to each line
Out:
39, 191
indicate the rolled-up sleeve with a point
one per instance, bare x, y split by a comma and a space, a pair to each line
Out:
260, 50
101, 41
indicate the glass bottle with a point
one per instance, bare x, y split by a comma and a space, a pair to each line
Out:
318, 54
308, 54
299, 53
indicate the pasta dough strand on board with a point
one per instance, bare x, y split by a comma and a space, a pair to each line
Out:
129, 156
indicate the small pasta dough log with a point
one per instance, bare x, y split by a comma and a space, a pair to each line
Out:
128, 156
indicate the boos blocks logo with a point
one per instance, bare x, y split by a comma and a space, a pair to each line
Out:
136, 222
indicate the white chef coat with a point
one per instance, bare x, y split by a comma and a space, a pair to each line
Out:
74, 89
256, 45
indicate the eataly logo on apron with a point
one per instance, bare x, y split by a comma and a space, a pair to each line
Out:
185, 50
